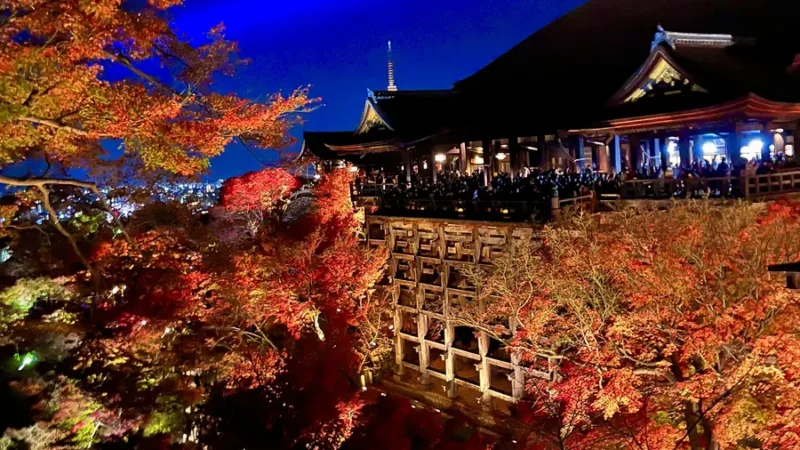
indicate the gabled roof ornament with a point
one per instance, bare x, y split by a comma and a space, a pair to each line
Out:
675, 39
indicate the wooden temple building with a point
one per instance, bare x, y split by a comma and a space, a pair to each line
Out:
612, 85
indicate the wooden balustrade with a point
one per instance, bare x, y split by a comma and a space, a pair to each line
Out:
730, 187
772, 184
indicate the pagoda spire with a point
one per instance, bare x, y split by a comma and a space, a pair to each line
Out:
392, 87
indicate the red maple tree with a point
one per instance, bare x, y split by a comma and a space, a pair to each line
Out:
664, 328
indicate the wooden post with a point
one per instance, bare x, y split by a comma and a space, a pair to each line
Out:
555, 207
464, 162
767, 140
734, 149
398, 341
685, 148
636, 152
407, 165
485, 370
449, 363
488, 159
434, 174
424, 354
579, 144
541, 144
518, 376
513, 156
616, 154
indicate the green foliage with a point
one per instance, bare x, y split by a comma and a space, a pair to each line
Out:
17, 300
27, 291
84, 224
84, 437
163, 422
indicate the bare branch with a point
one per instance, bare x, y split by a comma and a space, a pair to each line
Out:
60, 126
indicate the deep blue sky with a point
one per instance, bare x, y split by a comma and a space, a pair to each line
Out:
339, 48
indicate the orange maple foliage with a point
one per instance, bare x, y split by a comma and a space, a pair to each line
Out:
56, 103
664, 330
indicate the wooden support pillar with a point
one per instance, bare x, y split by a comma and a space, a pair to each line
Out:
450, 361
518, 375
766, 138
420, 164
616, 155
407, 165
604, 155
463, 159
398, 341
424, 354
636, 152
685, 148
697, 149
485, 370
488, 158
655, 153
434, 174
578, 148
544, 158
514, 156
734, 149
663, 150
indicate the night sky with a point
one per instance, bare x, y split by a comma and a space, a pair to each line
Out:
339, 48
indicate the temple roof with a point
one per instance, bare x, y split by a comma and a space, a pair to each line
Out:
414, 112
391, 120
341, 144
576, 63
571, 74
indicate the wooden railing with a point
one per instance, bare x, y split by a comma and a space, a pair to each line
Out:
542, 209
687, 187
726, 187
771, 184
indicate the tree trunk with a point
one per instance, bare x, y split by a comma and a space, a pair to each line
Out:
692, 418
708, 434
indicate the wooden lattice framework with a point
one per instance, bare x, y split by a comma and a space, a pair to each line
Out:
424, 276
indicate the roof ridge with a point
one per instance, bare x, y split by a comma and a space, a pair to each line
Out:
715, 40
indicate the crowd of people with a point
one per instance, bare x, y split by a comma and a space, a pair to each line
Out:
717, 167
533, 186
540, 186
